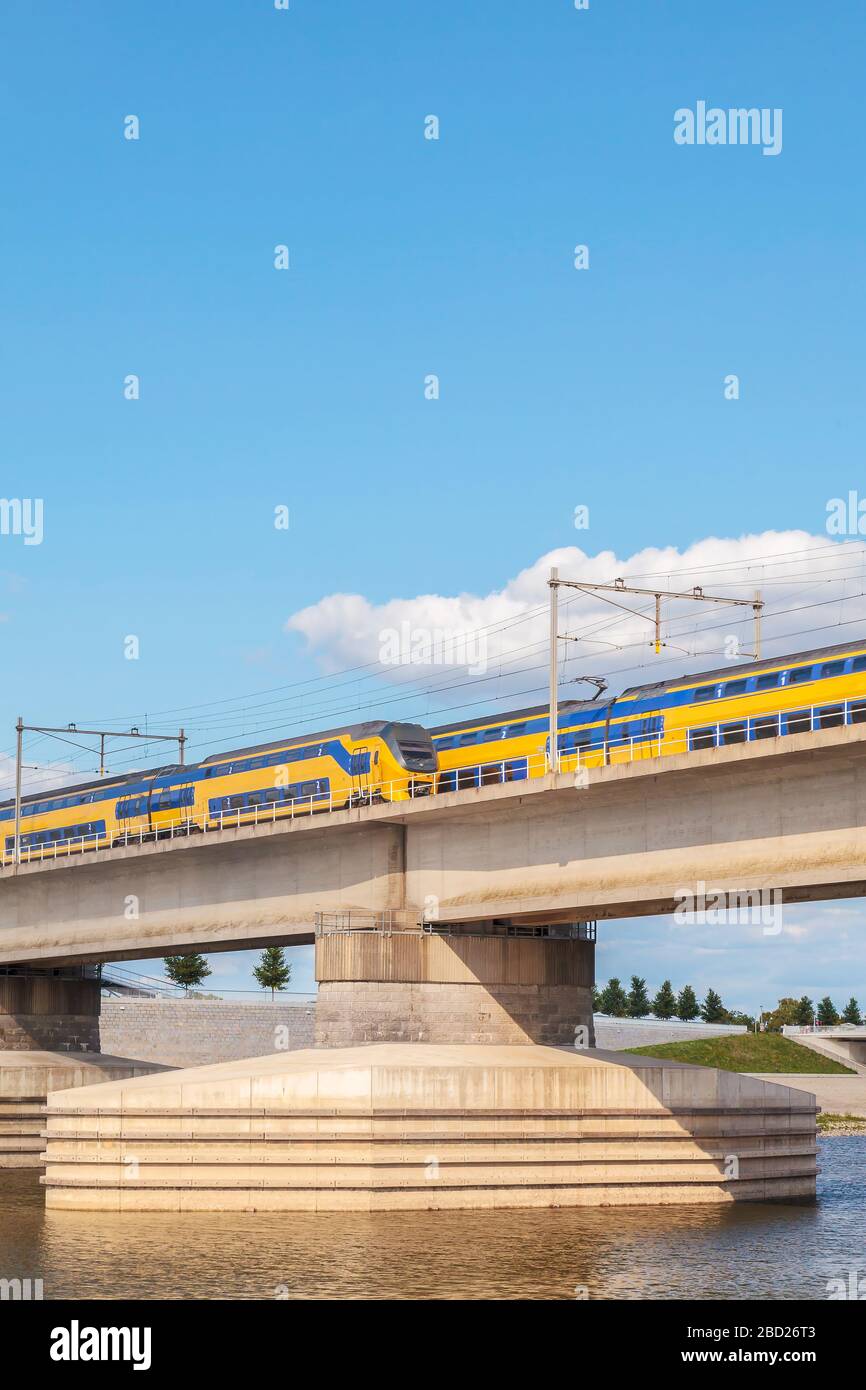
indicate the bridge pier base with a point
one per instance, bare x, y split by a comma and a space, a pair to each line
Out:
49, 1040
460, 985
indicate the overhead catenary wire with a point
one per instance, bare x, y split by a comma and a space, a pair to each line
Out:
374, 668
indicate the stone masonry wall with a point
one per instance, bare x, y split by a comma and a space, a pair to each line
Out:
194, 1032
616, 1033
49, 1032
349, 1014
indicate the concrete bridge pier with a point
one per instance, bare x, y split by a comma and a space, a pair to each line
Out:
494, 984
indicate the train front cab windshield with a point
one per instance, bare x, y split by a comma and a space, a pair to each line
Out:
411, 749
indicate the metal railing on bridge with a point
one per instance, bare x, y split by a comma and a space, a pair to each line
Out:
394, 921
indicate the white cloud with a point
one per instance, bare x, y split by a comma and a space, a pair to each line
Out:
36, 777
812, 587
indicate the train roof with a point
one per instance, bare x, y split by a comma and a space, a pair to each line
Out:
72, 788
370, 729
747, 668
565, 706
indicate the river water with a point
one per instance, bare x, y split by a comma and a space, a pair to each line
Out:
727, 1252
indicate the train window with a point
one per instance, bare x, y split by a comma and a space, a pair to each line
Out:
798, 721
702, 738
857, 711
831, 668
733, 733
799, 674
766, 728
768, 681
859, 663
705, 692
170, 800
831, 716
735, 687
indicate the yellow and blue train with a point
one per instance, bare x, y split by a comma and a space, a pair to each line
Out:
362, 763
385, 761
819, 689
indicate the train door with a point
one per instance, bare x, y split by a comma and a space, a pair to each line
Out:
359, 771
172, 804
132, 816
642, 738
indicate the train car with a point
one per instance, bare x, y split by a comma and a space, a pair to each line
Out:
375, 761
771, 698
57, 822
359, 764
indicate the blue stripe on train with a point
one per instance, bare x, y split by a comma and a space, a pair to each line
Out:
353, 764
56, 836
268, 796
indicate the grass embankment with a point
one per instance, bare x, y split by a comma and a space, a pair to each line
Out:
762, 1052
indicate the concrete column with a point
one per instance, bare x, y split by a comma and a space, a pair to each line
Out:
478, 987
48, 1011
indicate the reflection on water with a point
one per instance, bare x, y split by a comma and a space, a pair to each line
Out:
729, 1252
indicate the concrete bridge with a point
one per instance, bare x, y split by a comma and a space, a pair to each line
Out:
785, 814
844, 1042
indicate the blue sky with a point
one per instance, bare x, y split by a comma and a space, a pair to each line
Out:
408, 257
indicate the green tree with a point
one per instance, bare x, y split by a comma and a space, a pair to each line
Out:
187, 971
712, 1009
273, 971
687, 1004
786, 1012
805, 1011
665, 1003
737, 1016
614, 1000
638, 999
827, 1014
851, 1012
596, 999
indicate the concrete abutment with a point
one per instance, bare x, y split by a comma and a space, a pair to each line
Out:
49, 1040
